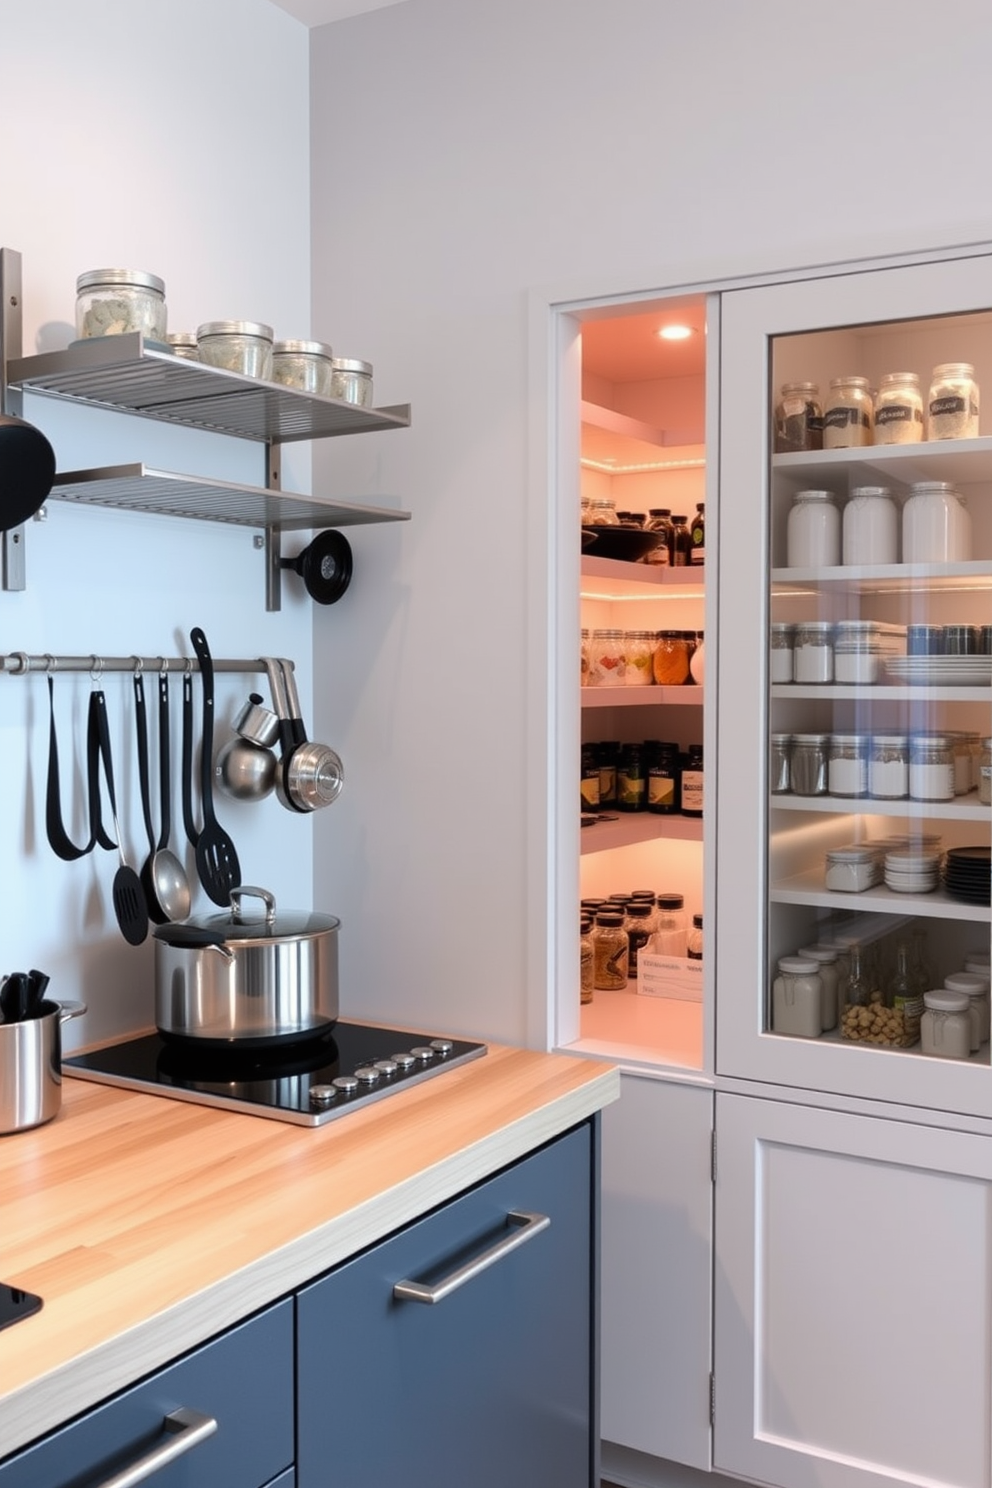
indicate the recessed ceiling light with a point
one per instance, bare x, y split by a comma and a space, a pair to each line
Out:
676, 332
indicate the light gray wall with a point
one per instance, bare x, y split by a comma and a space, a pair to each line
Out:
464, 156
171, 136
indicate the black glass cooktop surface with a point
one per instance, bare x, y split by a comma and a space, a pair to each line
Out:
309, 1084
15, 1304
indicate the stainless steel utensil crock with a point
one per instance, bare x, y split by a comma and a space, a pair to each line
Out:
31, 1066
233, 980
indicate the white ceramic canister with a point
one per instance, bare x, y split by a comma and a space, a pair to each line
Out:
797, 994
812, 538
936, 528
826, 959
945, 1028
871, 526
976, 988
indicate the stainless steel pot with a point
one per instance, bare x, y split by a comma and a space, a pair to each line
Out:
230, 979
31, 1066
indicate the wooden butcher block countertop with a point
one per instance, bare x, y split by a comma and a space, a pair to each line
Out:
148, 1224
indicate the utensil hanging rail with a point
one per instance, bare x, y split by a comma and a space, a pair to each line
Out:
20, 664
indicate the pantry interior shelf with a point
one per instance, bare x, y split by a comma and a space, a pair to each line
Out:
892, 577
132, 375
638, 580
807, 889
970, 460
628, 829
962, 808
883, 692
632, 697
141, 488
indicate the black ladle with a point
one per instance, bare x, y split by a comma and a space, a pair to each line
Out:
128, 895
216, 859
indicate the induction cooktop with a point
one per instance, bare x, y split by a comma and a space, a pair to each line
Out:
309, 1084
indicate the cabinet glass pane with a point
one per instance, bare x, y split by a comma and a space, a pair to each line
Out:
879, 667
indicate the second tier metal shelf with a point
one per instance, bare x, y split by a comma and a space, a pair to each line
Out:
132, 375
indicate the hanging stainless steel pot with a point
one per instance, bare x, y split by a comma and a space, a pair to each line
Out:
31, 1065
245, 767
233, 979
311, 775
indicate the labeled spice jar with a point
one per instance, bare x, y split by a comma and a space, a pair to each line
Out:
813, 657
697, 532
587, 969
847, 765
945, 1027
796, 998
659, 520
808, 764
691, 783
848, 415
871, 526
782, 636
589, 778
931, 768
671, 936
632, 786
694, 940
953, 403
826, 960
679, 542
671, 658
607, 663
115, 302
243, 346
637, 923
663, 779
351, 381
898, 409
888, 767
798, 418
936, 527
182, 344
779, 768
610, 952
639, 655
306, 365
813, 531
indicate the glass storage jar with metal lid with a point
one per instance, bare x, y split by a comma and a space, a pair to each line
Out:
351, 380
671, 658
808, 764
586, 960
931, 768
243, 346
797, 994
659, 520
610, 952
798, 418
607, 658
899, 409
812, 531
781, 643
183, 344
639, 654
848, 415
953, 403
779, 766
305, 365
945, 1028
114, 302
936, 526
847, 765
851, 870
603, 512
888, 767
860, 648
813, 657
871, 526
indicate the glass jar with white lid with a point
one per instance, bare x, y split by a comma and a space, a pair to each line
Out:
847, 765
871, 526
826, 959
242, 346
936, 525
898, 409
351, 381
848, 414
116, 302
953, 403
945, 1028
813, 526
797, 994
305, 365
976, 989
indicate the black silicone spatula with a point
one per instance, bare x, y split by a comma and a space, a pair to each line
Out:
128, 895
216, 858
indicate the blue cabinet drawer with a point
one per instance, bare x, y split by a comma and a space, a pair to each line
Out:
489, 1385
243, 1380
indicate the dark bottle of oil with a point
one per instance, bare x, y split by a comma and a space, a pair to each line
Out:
631, 779
590, 778
697, 531
679, 542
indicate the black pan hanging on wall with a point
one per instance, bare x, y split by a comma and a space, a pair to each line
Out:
27, 471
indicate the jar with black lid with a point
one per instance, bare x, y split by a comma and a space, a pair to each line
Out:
694, 944
610, 952
798, 418
680, 542
659, 520
587, 970
637, 924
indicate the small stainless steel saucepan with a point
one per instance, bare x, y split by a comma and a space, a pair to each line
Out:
311, 775
31, 1065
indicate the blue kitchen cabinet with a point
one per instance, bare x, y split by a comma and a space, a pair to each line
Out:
242, 1380
491, 1384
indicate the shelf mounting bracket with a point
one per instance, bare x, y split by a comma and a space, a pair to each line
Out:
273, 537
13, 576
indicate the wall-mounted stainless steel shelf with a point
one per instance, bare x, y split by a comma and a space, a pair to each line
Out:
133, 375
165, 493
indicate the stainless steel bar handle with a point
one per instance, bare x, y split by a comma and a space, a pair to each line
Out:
525, 1227
184, 1430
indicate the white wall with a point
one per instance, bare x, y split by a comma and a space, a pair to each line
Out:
171, 136
462, 156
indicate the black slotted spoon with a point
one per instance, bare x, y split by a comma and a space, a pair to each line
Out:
216, 859
128, 896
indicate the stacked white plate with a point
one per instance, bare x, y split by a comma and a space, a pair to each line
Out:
941, 671
912, 872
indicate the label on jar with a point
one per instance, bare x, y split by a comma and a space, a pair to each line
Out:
951, 404
692, 791
842, 418
898, 413
661, 792
931, 782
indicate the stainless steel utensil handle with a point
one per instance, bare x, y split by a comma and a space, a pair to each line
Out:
526, 1226
184, 1429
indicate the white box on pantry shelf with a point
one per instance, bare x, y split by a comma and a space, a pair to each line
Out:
669, 976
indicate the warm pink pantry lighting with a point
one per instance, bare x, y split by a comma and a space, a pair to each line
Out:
676, 332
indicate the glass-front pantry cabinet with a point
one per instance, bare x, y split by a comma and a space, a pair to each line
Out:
853, 1201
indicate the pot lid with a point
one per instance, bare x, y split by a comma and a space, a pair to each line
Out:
240, 924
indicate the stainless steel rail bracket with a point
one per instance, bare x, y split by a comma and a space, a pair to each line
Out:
13, 574
273, 537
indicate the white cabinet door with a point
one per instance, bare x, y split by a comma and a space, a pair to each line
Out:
657, 1269
852, 1299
